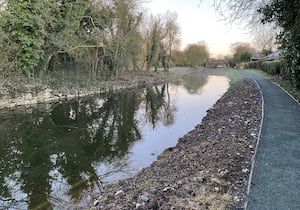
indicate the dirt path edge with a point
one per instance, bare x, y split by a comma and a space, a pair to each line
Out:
209, 168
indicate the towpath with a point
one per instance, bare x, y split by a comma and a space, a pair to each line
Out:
275, 182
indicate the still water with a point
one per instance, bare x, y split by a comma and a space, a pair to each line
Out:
55, 154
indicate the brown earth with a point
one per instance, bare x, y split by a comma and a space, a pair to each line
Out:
209, 167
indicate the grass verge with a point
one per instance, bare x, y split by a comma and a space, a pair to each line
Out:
285, 84
234, 76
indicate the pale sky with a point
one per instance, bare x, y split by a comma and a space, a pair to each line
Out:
199, 22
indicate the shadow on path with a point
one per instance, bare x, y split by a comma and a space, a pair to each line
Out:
276, 175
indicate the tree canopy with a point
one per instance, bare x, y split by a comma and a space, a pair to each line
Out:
100, 38
282, 14
194, 55
242, 52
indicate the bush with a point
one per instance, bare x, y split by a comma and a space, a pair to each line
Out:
254, 64
271, 67
277, 67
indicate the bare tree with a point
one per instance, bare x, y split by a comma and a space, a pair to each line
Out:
171, 39
241, 11
245, 13
264, 38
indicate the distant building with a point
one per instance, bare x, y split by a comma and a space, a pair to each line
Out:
273, 56
257, 56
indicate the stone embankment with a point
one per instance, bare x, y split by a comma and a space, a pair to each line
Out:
33, 96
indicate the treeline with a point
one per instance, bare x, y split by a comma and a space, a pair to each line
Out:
281, 15
102, 37
99, 38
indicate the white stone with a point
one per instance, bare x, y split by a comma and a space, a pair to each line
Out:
245, 170
28, 96
70, 96
96, 202
119, 192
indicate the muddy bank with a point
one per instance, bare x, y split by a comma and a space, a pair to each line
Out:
208, 168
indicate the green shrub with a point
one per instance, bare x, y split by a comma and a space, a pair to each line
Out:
271, 67
254, 64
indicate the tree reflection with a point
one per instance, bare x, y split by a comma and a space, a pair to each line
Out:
35, 164
105, 133
43, 154
158, 105
194, 82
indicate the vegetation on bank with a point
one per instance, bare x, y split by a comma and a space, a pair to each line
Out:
284, 83
278, 71
233, 76
81, 41
64, 43
284, 16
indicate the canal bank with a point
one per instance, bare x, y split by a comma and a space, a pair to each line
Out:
31, 96
208, 168
34, 95
50, 158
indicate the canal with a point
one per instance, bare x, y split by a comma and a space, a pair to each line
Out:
55, 154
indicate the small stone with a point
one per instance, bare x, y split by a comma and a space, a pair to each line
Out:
138, 205
245, 170
239, 183
144, 198
96, 202
168, 189
220, 131
199, 179
119, 192
223, 173
217, 189
237, 199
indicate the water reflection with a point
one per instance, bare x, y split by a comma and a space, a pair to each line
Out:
193, 82
49, 158
158, 106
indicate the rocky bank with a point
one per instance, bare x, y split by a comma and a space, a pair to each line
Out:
209, 167
30, 95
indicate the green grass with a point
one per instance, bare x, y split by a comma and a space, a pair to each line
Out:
260, 72
234, 76
289, 88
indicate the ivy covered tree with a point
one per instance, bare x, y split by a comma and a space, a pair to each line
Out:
162, 36
97, 38
64, 30
23, 26
286, 14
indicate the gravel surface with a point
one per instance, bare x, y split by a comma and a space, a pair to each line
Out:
208, 168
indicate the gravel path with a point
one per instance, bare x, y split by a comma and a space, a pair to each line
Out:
208, 168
